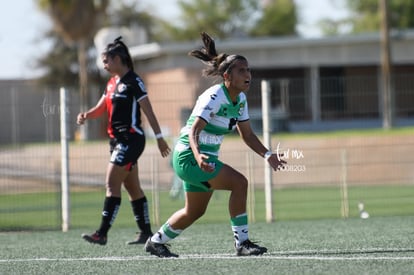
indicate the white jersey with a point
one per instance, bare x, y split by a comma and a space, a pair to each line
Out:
221, 114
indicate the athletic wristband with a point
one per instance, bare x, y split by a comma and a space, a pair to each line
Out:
158, 136
267, 155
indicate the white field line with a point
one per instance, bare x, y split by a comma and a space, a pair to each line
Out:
368, 257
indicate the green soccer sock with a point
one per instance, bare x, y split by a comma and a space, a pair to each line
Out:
165, 234
240, 228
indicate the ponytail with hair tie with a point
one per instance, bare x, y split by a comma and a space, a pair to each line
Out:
208, 52
217, 64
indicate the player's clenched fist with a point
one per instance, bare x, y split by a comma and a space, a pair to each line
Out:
81, 118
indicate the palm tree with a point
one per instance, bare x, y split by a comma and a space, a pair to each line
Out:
76, 21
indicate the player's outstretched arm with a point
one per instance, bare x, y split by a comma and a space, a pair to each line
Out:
250, 138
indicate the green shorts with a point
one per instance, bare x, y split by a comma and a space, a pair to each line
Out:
194, 179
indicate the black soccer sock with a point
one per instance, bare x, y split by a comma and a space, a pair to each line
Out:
109, 212
141, 214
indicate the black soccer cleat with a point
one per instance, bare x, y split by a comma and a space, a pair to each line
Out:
141, 238
248, 248
158, 249
95, 238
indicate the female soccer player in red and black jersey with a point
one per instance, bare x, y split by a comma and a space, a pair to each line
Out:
124, 97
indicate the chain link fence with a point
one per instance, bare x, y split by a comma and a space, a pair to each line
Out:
30, 149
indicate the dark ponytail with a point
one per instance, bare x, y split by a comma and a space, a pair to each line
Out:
218, 64
120, 49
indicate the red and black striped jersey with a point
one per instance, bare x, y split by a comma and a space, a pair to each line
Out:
122, 96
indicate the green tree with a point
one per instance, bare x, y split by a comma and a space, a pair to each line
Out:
330, 26
279, 17
365, 17
66, 70
221, 18
61, 64
130, 14
76, 21
368, 14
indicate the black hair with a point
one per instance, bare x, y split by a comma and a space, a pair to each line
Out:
118, 48
218, 64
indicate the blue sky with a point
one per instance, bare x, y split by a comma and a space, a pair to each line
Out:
22, 23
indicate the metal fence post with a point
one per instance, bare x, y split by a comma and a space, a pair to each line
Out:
267, 142
64, 159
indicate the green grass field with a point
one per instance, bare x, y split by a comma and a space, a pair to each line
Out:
379, 245
41, 211
308, 237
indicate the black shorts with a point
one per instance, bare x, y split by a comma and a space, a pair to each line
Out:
125, 152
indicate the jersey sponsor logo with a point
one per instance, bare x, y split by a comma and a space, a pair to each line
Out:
213, 96
209, 139
122, 88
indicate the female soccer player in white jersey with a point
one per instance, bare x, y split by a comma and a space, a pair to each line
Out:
218, 111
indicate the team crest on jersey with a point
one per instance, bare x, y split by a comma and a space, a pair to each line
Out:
122, 87
241, 110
